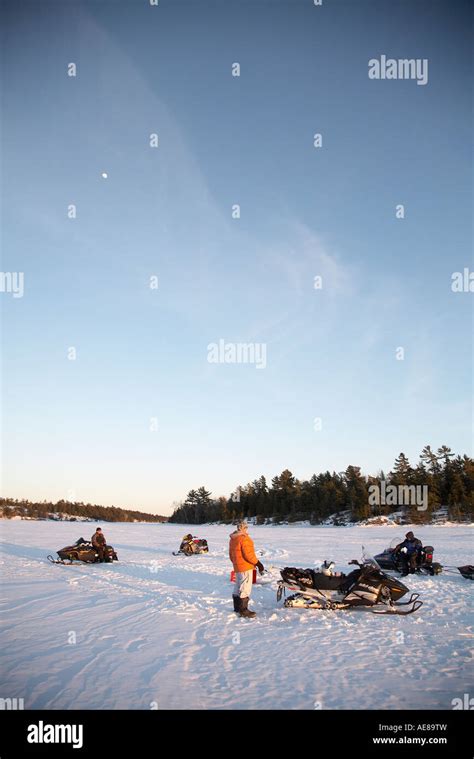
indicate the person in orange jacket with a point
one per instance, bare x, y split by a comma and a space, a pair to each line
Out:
244, 560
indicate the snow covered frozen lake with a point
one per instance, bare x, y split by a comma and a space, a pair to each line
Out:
157, 631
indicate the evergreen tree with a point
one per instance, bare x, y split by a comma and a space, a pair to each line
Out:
430, 459
402, 471
357, 495
450, 482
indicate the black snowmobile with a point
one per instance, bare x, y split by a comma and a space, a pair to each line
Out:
365, 587
84, 551
393, 560
191, 545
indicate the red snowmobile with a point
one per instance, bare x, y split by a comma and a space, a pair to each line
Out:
191, 545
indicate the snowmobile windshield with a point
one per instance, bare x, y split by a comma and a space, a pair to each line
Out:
367, 558
394, 543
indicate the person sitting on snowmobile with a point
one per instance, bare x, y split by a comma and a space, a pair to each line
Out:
244, 560
187, 546
409, 551
99, 543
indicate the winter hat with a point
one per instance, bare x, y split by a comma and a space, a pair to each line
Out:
409, 535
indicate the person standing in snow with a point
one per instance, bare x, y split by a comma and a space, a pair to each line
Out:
98, 541
244, 560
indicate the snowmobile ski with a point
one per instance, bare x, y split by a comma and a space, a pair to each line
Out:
59, 561
401, 612
300, 602
414, 597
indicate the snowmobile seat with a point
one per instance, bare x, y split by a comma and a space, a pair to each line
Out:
309, 578
328, 582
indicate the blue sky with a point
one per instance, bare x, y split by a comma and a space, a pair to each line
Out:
81, 429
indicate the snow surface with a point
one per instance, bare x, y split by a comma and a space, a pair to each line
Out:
157, 631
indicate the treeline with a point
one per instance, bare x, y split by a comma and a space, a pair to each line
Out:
10, 507
448, 481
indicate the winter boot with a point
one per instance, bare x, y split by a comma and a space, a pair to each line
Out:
244, 610
236, 600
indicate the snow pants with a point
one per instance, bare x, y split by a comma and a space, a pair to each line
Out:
409, 562
243, 584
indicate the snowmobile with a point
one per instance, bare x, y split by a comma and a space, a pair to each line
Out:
389, 559
191, 545
83, 550
365, 587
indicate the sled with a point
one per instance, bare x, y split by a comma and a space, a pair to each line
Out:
467, 571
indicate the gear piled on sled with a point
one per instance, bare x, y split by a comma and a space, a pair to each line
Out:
83, 550
394, 560
191, 545
366, 587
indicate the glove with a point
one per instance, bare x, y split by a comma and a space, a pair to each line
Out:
260, 567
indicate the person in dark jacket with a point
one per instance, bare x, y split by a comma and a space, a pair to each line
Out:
99, 543
408, 553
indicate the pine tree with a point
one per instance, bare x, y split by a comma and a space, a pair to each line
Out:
402, 471
457, 498
357, 495
430, 458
